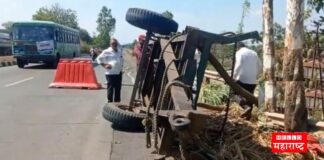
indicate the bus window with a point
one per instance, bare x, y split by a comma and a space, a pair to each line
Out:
65, 37
56, 37
33, 33
61, 36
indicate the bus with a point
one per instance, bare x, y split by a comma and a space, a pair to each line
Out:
43, 42
5, 44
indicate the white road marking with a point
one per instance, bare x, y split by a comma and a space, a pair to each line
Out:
17, 82
131, 77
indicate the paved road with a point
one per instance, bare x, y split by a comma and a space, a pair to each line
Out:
38, 123
129, 145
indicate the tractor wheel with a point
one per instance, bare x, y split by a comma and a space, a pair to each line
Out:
122, 118
151, 21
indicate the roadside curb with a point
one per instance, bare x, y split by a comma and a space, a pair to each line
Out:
8, 63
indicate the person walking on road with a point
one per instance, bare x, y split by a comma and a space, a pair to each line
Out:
112, 60
246, 71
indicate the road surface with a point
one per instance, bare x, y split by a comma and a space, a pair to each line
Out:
38, 123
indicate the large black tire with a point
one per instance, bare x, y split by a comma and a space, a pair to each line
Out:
120, 117
151, 21
20, 63
55, 62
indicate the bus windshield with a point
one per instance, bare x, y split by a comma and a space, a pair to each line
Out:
33, 33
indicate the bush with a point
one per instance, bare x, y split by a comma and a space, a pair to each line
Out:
85, 47
214, 93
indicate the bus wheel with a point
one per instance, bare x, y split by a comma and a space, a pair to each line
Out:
20, 63
56, 61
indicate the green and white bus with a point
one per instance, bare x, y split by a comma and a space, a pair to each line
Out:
43, 42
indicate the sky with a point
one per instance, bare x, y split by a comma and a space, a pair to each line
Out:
210, 15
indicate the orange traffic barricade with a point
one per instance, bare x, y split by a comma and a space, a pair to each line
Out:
75, 73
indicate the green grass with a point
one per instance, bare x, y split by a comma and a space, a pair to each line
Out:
214, 93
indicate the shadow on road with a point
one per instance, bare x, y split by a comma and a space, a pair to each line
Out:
40, 66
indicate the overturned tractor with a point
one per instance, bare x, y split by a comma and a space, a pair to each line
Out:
168, 83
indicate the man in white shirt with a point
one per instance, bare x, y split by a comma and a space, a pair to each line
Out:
246, 71
112, 60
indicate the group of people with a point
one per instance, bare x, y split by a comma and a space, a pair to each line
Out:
246, 70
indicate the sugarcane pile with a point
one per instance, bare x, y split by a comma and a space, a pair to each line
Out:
242, 140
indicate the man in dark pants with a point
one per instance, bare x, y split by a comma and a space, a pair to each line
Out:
246, 71
112, 60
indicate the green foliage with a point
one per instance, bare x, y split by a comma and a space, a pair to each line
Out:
258, 49
214, 94
58, 15
84, 36
7, 26
307, 13
279, 35
85, 47
96, 41
224, 53
167, 14
105, 26
318, 5
246, 8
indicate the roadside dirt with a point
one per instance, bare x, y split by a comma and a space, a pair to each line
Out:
6, 59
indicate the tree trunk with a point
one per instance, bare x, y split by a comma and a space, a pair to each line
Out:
269, 56
294, 102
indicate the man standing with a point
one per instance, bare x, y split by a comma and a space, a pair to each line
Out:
112, 60
246, 71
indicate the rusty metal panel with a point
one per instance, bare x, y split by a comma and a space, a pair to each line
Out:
178, 94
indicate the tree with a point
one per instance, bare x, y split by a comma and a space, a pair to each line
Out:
7, 26
294, 101
279, 34
58, 15
105, 26
167, 14
84, 35
316, 4
245, 12
269, 55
